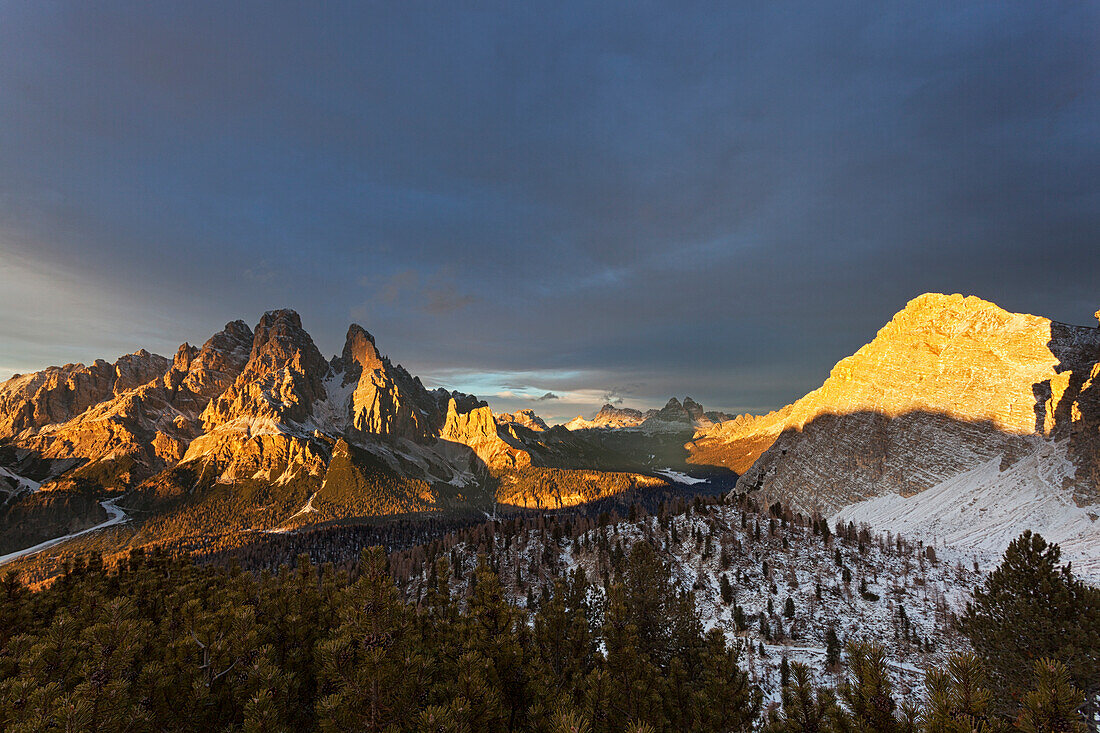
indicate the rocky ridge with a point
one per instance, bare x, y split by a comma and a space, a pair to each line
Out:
675, 415
289, 436
609, 416
524, 418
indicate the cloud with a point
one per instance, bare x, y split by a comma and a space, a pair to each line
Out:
721, 199
548, 396
409, 290
617, 395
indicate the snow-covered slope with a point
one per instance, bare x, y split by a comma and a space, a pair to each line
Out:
981, 510
114, 516
18, 483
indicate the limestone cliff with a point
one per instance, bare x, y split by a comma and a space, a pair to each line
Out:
282, 379
138, 416
252, 429
676, 414
56, 395
478, 430
387, 400
949, 383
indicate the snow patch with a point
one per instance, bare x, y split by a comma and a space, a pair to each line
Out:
330, 415
680, 477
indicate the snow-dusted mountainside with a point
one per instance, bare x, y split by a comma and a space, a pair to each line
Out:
863, 585
981, 510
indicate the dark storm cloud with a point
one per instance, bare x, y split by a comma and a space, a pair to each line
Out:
718, 200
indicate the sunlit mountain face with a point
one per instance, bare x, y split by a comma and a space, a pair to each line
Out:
549, 367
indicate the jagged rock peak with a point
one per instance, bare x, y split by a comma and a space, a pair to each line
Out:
208, 371
693, 409
477, 429
276, 325
184, 354
280, 340
136, 369
58, 394
609, 416
236, 329
610, 411
360, 354
284, 374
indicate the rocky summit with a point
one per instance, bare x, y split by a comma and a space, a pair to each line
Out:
674, 416
951, 386
524, 418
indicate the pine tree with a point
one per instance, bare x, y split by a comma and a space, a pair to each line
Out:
495, 631
959, 698
1051, 705
867, 691
633, 686
725, 589
722, 698
832, 649
803, 709
1031, 608
370, 674
565, 644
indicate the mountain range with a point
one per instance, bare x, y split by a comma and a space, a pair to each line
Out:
959, 422
256, 431
674, 415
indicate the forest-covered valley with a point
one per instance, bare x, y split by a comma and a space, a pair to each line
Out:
706, 615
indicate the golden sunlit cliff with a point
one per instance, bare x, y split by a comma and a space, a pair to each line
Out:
948, 383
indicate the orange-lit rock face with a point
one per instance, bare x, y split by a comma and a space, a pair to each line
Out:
386, 400
947, 382
142, 410
282, 379
478, 430
58, 394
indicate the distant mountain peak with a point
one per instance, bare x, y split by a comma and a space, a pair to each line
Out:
525, 418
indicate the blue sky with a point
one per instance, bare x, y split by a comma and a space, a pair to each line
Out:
613, 200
